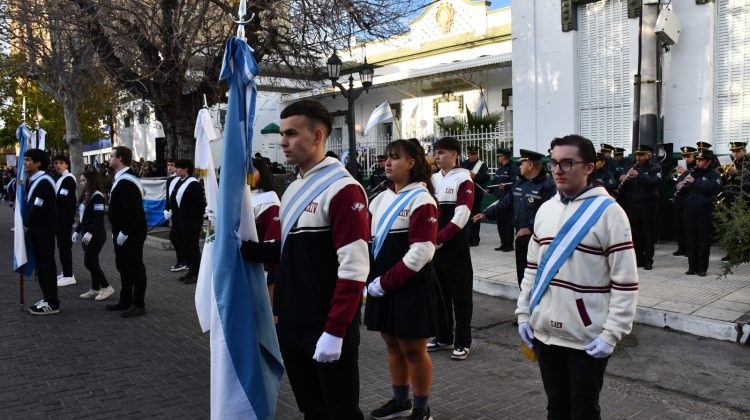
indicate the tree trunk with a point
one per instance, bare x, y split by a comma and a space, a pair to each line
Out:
73, 137
177, 117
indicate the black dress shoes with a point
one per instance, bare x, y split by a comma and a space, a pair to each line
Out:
117, 307
679, 252
648, 266
134, 311
702, 273
690, 272
189, 279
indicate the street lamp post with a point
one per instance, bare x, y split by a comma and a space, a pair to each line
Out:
351, 94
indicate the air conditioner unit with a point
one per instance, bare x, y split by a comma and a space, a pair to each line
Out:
668, 26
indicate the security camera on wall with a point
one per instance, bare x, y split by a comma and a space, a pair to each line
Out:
668, 26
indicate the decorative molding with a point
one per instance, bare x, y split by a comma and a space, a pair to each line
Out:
569, 15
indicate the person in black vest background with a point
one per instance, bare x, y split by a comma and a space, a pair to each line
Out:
66, 188
188, 206
93, 234
174, 227
480, 175
128, 220
40, 220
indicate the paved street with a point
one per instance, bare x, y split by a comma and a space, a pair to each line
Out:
88, 363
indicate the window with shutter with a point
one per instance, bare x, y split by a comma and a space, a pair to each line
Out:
605, 88
732, 72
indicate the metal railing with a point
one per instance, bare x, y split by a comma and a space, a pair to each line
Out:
488, 142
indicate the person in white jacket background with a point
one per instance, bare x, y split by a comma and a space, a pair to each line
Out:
580, 287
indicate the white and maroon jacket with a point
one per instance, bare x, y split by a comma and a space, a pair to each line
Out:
266, 210
594, 294
410, 244
325, 260
455, 195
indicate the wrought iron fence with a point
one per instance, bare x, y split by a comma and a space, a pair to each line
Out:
488, 142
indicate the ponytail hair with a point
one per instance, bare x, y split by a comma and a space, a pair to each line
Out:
421, 171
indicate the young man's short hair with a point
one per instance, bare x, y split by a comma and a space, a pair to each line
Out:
314, 111
585, 147
38, 156
63, 158
185, 164
124, 153
447, 143
170, 160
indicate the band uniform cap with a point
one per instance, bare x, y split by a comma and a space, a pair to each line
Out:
705, 154
737, 145
472, 149
604, 147
619, 151
703, 145
504, 152
687, 150
530, 155
644, 149
381, 157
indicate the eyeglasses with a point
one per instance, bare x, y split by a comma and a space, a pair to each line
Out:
565, 165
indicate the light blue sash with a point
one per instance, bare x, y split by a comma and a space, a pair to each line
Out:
316, 184
565, 242
389, 217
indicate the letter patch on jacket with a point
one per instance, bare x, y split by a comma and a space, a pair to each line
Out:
556, 324
449, 190
404, 213
311, 208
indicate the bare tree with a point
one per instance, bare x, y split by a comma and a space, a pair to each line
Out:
169, 52
58, 56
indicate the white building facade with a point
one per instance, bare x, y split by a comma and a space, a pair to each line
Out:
581, 80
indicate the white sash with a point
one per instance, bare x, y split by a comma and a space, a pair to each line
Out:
477, 167
171, 187
35, 183
182, 189
59, 182
130, 178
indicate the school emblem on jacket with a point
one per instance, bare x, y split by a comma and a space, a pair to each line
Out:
530, 199
432, 220
358, 206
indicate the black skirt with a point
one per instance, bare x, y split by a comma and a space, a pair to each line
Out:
411, 312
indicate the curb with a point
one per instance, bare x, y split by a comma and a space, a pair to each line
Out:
736, 332
158, 243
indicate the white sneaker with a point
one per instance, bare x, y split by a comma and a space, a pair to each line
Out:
60, 276
91, 294
105, 293
66, 281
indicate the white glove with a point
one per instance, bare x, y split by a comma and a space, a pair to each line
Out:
74, 237
526, 333
167, 214
121, 238
86, 238
599, 349
237, 238
374, 289
328, 348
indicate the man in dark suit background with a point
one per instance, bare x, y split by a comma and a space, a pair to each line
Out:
188, 205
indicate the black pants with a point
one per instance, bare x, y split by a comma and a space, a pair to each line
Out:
323, 390
91, 260
65, 246
505, 228
572, 381
643, 226
522, 249
129, 262
698, 237
456, 278
189, 237
174, 238
476, 208
679, 226
43, 244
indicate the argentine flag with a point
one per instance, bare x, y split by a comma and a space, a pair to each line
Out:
381, 114
246, 365
23, 255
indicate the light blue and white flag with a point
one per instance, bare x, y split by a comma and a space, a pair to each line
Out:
381, 114
481, 105
246, 365
23, 254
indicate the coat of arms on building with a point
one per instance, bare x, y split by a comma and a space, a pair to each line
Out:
444, 17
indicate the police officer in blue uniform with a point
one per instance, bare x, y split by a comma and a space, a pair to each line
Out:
688, 155
532, 189
700, 188
501, 185
602, 177
702, 145
621, 164
480, 175
609, 163
639, 196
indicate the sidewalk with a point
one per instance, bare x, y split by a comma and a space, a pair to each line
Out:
703, 306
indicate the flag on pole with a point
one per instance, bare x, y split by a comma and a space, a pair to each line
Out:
246, 365
204, 168
381, 114
23, 254
481, 104
38, 138
95, 163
